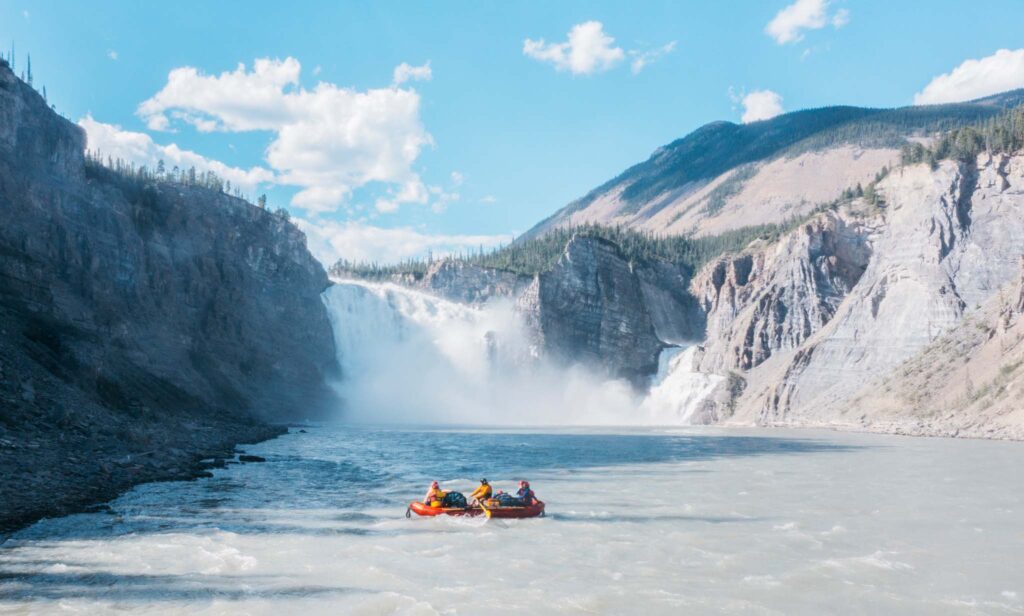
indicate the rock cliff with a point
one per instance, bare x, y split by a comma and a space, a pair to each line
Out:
769, 299
818, 320
464, 282
143, 324
591, 308
968, 382
1019, 308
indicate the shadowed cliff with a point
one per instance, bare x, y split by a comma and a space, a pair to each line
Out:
143, 324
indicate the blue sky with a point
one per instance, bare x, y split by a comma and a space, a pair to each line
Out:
504, 131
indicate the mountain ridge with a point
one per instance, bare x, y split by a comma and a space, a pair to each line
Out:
643, 190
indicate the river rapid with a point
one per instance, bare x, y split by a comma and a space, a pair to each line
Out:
658, 521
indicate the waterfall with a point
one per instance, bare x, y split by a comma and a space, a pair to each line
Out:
677, 391
411, 357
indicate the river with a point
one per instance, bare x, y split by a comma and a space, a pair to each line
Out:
653, 521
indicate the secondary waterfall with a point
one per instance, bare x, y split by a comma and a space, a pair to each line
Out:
678, 391
411, 357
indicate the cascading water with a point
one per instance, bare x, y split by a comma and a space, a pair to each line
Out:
677, 391
410, 357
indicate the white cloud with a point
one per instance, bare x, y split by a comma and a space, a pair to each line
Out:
789, 24
442, 199
457, 178
642, 59
331, 240
841, 18
112, 54
761, 105
1002, 71
405, 72
328, 141
413, 191
488, 199
111, 140
588, 50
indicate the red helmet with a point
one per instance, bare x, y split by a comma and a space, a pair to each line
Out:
524, 483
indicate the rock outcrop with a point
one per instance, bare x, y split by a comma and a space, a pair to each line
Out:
1020, 295
772, 298
968, 382
471, 284
590, 308
143, 324
819, 319
675, 313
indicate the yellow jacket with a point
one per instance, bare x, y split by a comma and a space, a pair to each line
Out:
482, 492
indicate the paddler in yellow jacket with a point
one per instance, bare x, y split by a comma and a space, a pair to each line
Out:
482, 493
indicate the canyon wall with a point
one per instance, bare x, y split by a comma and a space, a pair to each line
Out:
143, 324
814, 325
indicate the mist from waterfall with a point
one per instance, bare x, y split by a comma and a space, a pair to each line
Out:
411, 357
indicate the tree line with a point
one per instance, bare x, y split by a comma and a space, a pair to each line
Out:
128, 174
1003, 134
539, 254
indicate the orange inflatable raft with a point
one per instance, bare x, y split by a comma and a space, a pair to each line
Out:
426, 510
530, 511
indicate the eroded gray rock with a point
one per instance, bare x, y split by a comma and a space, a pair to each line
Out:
590, 308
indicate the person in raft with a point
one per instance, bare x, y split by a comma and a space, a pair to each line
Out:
482, 493
434, 495
525, 494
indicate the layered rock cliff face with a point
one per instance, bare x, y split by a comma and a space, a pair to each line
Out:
771, 299
946, 242
142, 324
968, 382
590, 308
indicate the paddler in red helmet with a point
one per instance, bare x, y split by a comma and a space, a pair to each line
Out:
525, 494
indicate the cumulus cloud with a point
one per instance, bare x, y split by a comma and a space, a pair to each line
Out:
405, 72
328, 141
588, 50
1003, 70
760, 105
642, 59
111, 140
331, 240
789, 24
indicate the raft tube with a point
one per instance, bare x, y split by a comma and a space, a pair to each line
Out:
426, 510
530, 511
